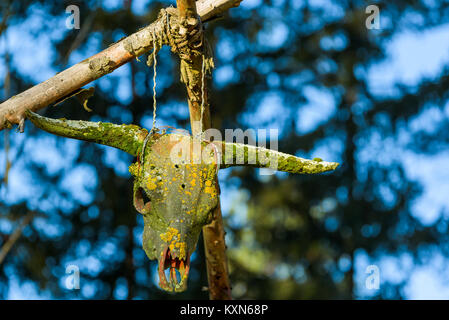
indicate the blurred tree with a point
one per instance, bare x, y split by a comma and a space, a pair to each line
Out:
301, 234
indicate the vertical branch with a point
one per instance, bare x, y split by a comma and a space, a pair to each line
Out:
213, 234
6, 90
8, 162
129, 260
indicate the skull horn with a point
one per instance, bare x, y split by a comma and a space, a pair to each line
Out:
237, 154
128, 138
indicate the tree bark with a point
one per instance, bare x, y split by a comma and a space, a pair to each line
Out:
68, 81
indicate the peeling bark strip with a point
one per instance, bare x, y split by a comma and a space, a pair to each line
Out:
66, 82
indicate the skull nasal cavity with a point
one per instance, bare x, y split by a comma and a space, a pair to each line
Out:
143, 196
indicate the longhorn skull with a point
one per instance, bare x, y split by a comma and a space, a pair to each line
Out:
175, 193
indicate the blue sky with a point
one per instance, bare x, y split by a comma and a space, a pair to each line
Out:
411, 56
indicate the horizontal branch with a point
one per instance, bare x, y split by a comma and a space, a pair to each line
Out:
66, 82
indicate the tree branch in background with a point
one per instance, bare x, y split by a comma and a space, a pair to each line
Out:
15, 236
68, 81
6, 87
7, 90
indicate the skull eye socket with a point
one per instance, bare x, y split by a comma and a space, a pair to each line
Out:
142, 202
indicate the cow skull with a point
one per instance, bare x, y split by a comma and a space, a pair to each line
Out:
175, 183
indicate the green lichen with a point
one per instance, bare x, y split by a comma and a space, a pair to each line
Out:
128, 138
100, 66
235, 154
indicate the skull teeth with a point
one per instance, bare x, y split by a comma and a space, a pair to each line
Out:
174, 264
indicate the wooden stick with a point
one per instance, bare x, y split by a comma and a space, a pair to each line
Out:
213, 233
66, 82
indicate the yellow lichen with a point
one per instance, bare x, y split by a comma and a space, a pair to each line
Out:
134, 169
210, 190
168, 236
151, 184
182, 249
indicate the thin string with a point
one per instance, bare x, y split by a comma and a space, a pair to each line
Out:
154, 81
154, 99
142, 160
203, 71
